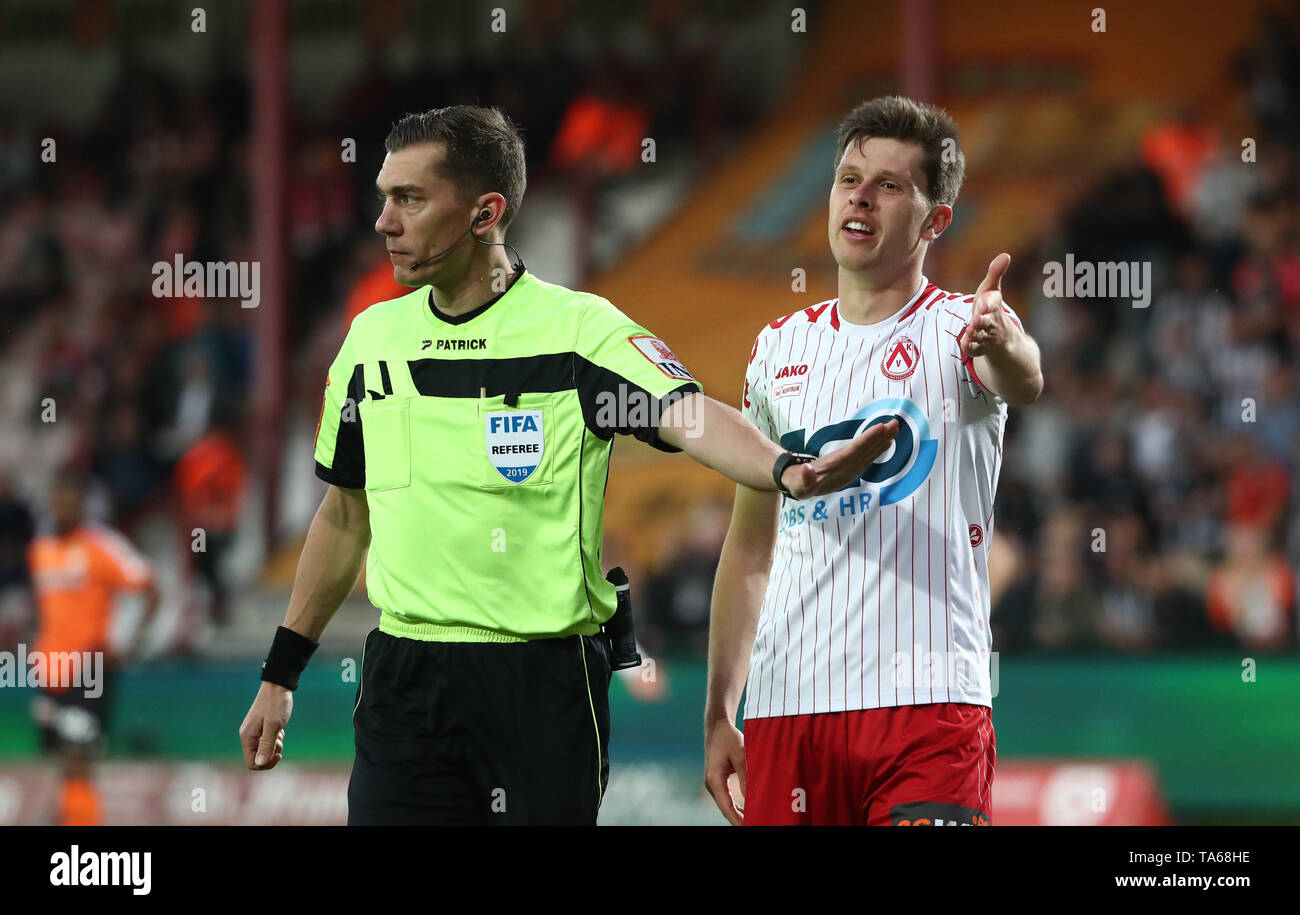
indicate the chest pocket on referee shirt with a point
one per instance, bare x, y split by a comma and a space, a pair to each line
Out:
519, 438
386, 435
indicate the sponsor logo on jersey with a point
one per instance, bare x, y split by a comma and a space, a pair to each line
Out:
900, 359
976, 535
478, 343
787, 390
657, 351
896, 474
791, 371
515, 443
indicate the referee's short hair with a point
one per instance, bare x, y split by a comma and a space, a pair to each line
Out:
895, 117
484, 151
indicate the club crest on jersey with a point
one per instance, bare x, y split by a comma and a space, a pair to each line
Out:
657, 351
515, 442
900, 359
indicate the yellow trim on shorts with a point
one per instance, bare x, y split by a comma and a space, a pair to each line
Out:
586, 676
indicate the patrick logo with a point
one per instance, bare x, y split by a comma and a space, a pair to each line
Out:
901, 357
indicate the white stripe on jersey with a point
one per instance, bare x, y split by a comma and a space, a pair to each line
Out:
879, 593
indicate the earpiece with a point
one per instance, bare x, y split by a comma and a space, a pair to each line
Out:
483, 214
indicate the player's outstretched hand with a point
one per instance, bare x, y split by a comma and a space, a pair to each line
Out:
832, 471
262, 733
724, 754
990, 328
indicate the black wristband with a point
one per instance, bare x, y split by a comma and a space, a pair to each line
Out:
785, 460
288, 658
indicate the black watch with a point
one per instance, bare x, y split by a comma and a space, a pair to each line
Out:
785, 460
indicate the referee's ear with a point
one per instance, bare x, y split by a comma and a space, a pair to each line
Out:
494, 205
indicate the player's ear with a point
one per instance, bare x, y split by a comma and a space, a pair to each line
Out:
939, 218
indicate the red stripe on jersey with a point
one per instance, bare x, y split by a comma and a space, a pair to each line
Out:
815, 311
969, 362
835, 314
924, 292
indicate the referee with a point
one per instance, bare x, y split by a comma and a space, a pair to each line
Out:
465, 433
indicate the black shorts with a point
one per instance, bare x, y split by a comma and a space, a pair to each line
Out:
474, 733
69, 720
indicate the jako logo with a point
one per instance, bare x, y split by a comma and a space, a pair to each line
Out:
791, 371
901, 470
103, 868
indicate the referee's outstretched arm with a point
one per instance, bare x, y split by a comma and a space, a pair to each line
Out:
331, 562
722, 438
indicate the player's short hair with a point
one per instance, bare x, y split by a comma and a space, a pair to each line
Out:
894, 117
484, 151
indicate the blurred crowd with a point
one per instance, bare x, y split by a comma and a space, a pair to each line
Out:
1146, 501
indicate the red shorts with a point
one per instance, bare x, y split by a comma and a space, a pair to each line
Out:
911, 765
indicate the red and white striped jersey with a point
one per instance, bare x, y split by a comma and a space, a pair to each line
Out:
878, 594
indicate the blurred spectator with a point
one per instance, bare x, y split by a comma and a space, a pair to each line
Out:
210, 482
1065, 601
678, 597
1180, 152
1258, 488
16, 531
1189, 326
1252, 592
1128, 614
122, 461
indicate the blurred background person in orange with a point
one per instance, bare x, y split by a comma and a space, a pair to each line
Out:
77, 570
210, 481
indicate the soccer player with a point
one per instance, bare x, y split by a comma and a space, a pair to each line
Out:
77, 570
466, 435
868, 699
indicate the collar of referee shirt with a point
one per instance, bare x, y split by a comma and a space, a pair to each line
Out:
471, 315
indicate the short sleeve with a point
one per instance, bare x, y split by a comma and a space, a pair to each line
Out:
340, 454
626, 377
119, 563
754, 404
